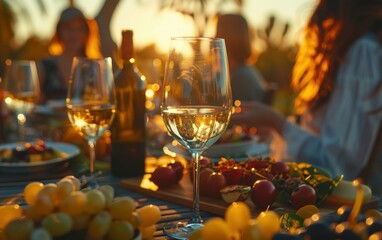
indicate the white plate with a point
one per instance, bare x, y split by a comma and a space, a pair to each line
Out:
69, 150
239, 149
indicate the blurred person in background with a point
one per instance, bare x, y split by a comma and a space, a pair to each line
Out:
75, 36
246, 81
338, 78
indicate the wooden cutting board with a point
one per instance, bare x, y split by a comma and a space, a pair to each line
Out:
182, 194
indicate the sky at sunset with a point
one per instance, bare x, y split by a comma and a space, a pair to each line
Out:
152, 26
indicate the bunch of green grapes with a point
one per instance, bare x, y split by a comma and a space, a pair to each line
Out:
62, 209
238, 224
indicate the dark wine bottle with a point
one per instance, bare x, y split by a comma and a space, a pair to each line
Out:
128, 129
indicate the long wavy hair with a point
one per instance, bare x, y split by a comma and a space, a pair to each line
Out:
334, 26
92, 46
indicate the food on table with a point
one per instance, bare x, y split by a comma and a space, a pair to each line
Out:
178, 167
164, 176
345, 193
303, 195
215, 182
62, 211
234, 193
306, 223
263, 193
235, 134
30, 152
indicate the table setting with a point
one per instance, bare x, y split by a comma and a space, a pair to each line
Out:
210, 181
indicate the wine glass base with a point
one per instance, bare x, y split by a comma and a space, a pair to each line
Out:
180, 230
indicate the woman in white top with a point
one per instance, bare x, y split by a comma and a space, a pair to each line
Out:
338, 77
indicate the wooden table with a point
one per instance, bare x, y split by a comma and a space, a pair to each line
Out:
170, 212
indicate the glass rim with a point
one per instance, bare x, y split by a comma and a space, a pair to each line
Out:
91, 58
194, 38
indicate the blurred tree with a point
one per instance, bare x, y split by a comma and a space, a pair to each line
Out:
201, 11
276, 62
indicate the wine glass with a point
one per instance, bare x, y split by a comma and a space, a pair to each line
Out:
196, 105
91, 102
21, 90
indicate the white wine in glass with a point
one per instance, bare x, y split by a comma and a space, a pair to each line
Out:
196, 106
91, 102
21, 90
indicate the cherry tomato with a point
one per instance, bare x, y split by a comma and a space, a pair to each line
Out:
232, 175
263, 193
163, 176
204, 174
280, 168
215, 182
304, 195
178, 168
257, 164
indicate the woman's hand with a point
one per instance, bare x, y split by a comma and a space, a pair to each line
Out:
258, 115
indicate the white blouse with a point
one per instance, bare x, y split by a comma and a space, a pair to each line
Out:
341, 135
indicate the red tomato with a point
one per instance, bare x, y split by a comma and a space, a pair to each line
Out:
304, 195
233, 176
280, 168
178, 168
263, 193
215, 182
257, 163
163, 176
204, 174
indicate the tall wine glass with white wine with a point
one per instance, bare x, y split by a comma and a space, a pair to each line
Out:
21, 90
196, 105
91, 101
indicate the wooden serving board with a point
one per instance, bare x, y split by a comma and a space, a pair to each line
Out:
182, 194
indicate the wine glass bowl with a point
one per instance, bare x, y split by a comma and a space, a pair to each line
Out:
91, 101
21, 90
196, 104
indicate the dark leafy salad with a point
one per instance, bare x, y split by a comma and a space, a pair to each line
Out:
29, 152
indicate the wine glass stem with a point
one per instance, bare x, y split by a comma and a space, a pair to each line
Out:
21, 119
195, 218
92, 178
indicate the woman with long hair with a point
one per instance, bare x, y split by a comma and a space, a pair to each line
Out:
338, 79
75, 36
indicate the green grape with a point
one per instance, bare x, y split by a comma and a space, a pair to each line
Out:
237, 216
19, 229
31, 213
120, 230
108, 192
9, 213
57, 224
75, 181
95, 201
81, 221
43, 204
51, 191
41, 234
99, 225
31, 191
134, 220
122, 208
64, 188
216, 228
148, 232
74, 204
268, 223
251, 231
149, 215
